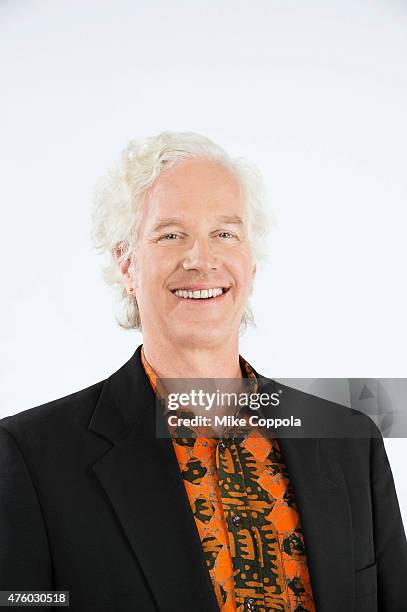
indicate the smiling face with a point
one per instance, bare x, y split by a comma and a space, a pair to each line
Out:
193, 269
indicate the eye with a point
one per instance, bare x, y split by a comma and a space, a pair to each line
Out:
226, 235
168, 236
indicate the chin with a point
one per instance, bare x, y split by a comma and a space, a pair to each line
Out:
199, 334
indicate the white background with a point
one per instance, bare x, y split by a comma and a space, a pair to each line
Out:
314, 93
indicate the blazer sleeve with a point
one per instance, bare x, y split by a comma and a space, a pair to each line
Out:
390, 539
25, 562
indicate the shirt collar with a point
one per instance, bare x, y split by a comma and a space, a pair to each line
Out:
159, 389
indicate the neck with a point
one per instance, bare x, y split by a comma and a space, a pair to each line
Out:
186, 361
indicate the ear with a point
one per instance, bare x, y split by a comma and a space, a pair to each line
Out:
125, 266
252, 278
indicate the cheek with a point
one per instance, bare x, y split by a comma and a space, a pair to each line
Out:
154, 270
242, 270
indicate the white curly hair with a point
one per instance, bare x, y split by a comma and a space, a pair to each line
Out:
119, 196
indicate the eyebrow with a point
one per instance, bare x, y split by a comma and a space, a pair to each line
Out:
169, 221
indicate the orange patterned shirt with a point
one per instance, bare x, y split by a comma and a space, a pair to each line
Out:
246, 517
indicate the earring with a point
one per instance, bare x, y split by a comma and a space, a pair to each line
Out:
131, 289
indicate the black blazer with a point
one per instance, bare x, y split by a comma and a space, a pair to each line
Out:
92, 502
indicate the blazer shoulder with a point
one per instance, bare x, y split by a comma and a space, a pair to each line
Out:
77, 407
325, 409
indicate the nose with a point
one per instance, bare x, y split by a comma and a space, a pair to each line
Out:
200, 257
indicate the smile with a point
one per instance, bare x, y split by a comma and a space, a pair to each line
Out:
202, 294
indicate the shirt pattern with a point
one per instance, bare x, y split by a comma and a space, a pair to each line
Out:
246, 516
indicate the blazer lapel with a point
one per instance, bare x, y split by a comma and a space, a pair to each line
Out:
141, 477
323, 504
326, 521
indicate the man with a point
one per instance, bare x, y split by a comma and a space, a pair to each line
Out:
95, 502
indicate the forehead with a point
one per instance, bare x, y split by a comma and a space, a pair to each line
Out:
195, 182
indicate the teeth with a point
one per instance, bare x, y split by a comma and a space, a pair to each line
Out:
199, 295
